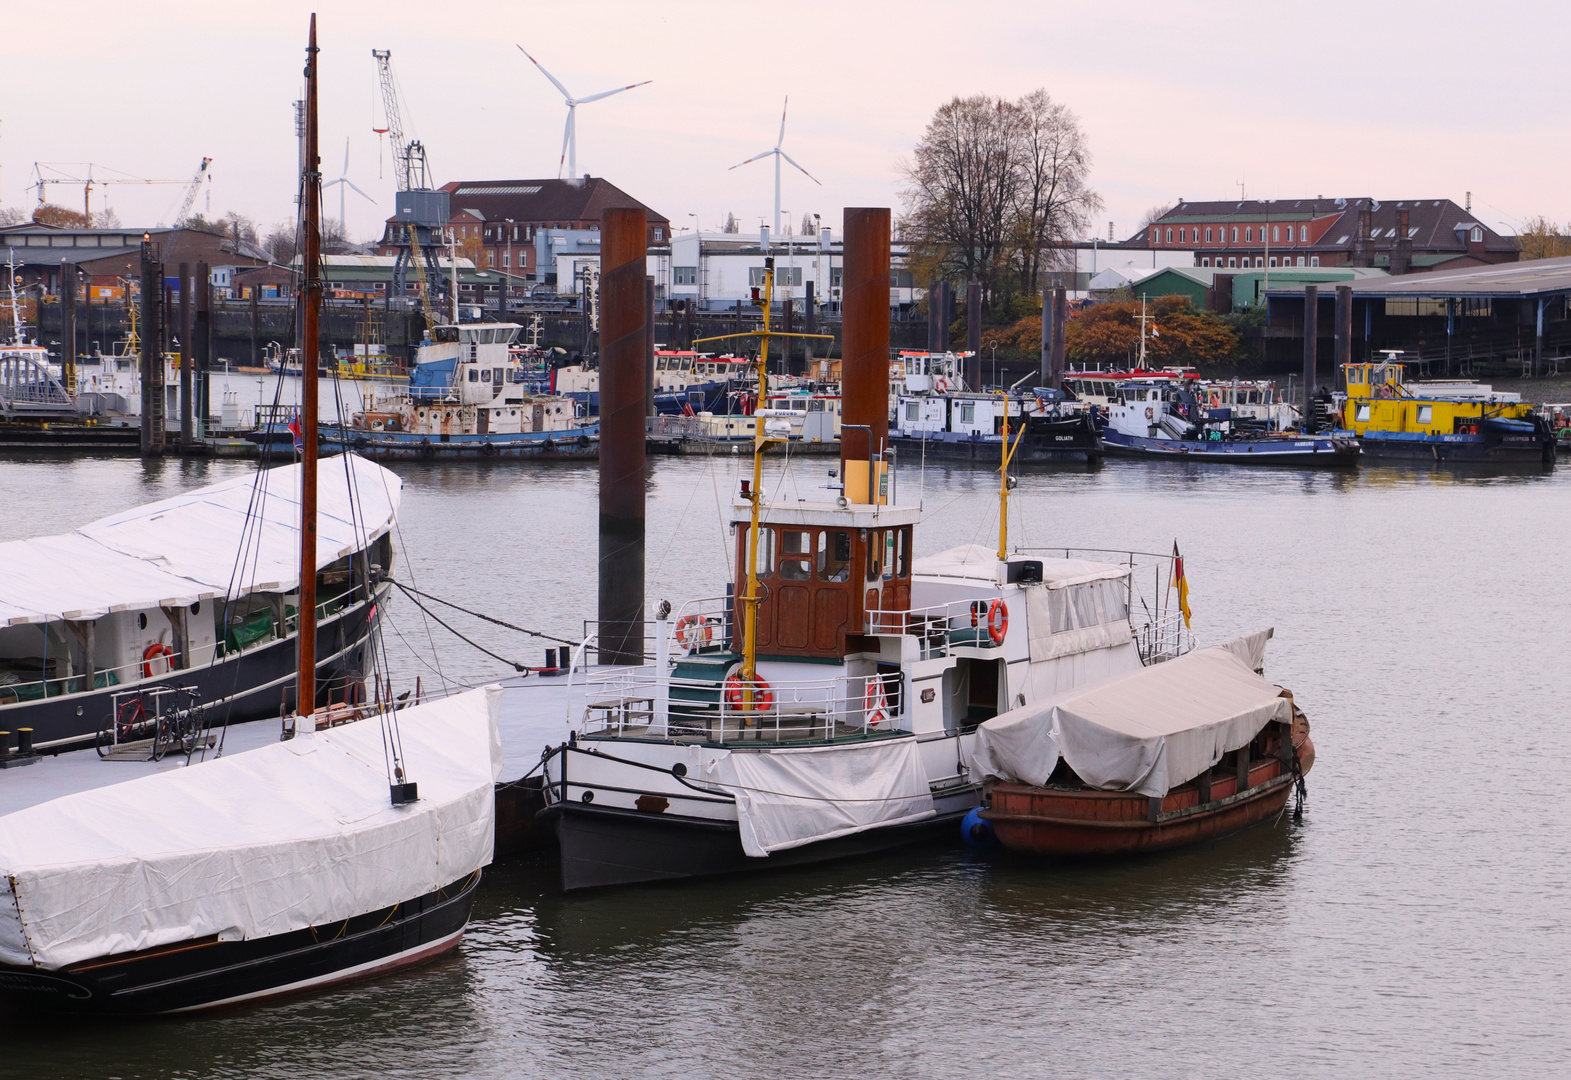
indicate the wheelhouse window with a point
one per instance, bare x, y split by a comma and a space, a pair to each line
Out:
796, 548
834, 555
968, 413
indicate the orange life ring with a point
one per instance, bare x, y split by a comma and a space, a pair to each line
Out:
997, 621
941, 384
874, 703
736, 687
692, 632
157, 650
1150, 413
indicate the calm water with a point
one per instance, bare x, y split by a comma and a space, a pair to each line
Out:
1411, 925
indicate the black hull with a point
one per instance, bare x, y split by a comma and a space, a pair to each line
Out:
207, 973
603, 846
1338, 459
1044, 442
247, 686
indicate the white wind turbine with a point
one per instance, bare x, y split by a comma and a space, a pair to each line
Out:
344, 182
778, 154
570, 133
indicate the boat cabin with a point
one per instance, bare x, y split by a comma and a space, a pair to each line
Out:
1380, 399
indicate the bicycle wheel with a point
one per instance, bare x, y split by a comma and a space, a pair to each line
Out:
162, 738
106, 736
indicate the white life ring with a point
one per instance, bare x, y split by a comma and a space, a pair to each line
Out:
1150, 413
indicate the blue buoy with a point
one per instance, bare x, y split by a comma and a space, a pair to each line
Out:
977, 832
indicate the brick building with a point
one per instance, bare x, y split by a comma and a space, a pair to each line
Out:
520, 224
1399, 237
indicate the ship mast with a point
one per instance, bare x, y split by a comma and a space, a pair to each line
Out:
1006, 455
310, 296
748, 674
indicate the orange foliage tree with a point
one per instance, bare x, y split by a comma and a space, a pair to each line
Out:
50, 214
1109, 333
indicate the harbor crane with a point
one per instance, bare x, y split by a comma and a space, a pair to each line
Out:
419, 208
89, 176
202, 175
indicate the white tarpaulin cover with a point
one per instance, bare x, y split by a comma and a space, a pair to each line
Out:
290, 835
790, 797
183, 549
1144, 732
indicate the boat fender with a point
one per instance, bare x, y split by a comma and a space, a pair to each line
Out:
488, 449
736, 687
997, 621
583, 440
977, 832
426, 449
155, 652
548, 445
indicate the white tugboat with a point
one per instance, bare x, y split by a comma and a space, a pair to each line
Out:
826, 706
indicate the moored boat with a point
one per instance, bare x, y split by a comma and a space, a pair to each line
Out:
1170, 755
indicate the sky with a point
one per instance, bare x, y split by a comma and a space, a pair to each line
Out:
1194, 99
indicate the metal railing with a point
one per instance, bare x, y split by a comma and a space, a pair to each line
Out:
938, 627
1158, 625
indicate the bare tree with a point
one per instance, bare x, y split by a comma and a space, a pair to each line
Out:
12, 215
106, 219
1054, 204
808, 228
282, 243
994, 187
1155, 213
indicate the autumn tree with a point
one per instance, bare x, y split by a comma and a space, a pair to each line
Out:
1109, 333
50, 214
471, 248
1540, 238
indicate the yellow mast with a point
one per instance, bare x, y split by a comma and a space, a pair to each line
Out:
1006, 454
750, 601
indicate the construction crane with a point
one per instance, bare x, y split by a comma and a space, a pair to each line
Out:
418, 207
83, 173
191, 192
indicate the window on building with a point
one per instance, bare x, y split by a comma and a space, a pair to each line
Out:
1249, 235
1276, 234
1260, 261
1271, 261
1477, 235
1300, 260
1232, 260
659, 233
1205, 260
835, 275
1314, 260
1208, 234
1170, 236
1235, 237
505, 259
684, 275
1303, 234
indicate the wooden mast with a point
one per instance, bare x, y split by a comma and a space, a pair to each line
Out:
311, 297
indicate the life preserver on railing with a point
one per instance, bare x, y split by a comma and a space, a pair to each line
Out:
997, 621
1150, 413
941, 384
874, 703
692, 632
156, 651
736, 689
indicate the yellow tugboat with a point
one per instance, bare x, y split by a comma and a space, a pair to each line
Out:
1453, 420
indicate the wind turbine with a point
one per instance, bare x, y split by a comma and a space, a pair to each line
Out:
344, 182
778, 154
570, 133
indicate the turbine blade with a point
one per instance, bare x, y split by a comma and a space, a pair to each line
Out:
547, 74
781, 140
804, 172
608, 93
752, 159
356, 190
346, 156
567, 133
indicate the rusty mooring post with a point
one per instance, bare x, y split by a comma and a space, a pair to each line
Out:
68, 325
152, 281
202, 348
1311, 343
864, 337
186, 355
623, 344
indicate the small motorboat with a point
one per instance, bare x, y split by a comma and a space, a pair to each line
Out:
1169, 755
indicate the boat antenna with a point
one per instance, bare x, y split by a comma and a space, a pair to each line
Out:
748, 675
310, 299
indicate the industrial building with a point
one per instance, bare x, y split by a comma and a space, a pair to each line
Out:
105, 257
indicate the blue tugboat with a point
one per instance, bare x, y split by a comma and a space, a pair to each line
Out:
1162, 417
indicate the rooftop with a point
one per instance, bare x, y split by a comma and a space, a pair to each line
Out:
1535, 277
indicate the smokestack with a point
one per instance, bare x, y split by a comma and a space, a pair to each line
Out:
68, 324
623, 244
1060, 320
1311, 343
152, 278
864, 336
1045, 372
202, 346
974, 334
1344, 329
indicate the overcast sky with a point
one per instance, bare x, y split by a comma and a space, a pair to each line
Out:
1385, 98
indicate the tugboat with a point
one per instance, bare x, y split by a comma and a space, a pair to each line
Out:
351, 847
959, 426
1163, 417
826, 705
1452, 421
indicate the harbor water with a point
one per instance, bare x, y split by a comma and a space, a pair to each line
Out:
1412, 924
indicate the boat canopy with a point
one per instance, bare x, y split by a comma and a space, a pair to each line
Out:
1146, 732
976, 562
231, 538
286, 836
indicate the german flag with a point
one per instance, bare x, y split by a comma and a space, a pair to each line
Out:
1181, 583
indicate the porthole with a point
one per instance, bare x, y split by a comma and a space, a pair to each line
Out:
141, 620
588, 797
